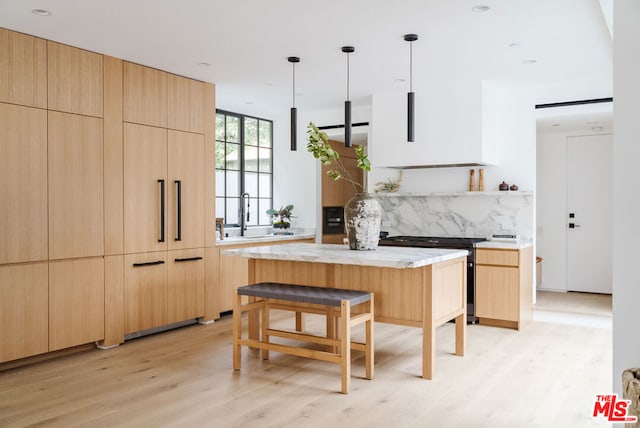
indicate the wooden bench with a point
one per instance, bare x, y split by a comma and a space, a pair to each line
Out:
331, 302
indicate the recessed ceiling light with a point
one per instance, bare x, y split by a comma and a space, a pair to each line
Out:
399, 80
555, 124
530, 61
248, 103
479, 8
268, 84
41, 12
514, 45
597, 128
204, 64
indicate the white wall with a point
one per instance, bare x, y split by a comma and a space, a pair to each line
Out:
626, 203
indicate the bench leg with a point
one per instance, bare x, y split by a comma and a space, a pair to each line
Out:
369, 347
265, 327
345, 345
237, 332
299, 321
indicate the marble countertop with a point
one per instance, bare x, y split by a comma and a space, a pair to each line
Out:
235, 240
507, 245
392, 257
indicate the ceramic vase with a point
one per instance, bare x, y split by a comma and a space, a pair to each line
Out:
362, 217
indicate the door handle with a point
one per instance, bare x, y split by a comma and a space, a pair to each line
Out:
179, 209
161, 181
157, 262
573, 225
187, 259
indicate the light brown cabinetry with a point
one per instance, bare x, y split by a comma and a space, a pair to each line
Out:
23, 311
162, 288
145, 293
76, 302
76, 226
23, 69
145, 95
145, 174
185, 285
186, 104
74, 80
163, 189
504, 281
23, 188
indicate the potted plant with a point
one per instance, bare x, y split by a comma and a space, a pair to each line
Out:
281, 218
362, 212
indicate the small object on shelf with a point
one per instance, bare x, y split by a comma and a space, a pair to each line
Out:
472, 180
220, 227
513, 187
481, 180
505, 238
503, 186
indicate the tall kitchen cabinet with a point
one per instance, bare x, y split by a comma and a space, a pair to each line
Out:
51, 185
164, 198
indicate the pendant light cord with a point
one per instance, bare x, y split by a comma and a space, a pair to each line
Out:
293, 85
410, 66
348, 77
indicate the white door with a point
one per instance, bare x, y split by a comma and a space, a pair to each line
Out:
589, 213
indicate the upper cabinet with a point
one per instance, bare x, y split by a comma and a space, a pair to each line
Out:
76, 227
145, 95
23, 192
23, 69
75, 80
186, 104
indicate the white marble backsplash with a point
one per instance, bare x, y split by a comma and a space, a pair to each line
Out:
465, 214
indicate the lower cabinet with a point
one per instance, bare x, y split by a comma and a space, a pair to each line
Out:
24, 311
162, 288
76, 302
504, 281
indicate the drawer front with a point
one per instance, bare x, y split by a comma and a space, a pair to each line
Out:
497, 257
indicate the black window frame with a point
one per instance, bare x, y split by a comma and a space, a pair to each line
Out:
242, 169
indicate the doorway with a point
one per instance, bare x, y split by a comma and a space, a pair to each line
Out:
589, 213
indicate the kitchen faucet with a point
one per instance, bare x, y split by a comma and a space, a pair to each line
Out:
243, 221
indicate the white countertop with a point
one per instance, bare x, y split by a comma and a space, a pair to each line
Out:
507, 245
234, 240
393, 257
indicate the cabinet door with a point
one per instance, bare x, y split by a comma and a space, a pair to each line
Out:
74, 80
145, 291
233, 273
497, 292
76, 226
145, 95
185, 287
186, 190
23, 188
76, 302
186, 104
23, 69
23, 311
145, 206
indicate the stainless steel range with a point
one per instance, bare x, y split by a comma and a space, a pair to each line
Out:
445, 242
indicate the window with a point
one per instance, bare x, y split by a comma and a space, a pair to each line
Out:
244, 164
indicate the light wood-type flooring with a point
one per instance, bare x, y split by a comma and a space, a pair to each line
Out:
546, 375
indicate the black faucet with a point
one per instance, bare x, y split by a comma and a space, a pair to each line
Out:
243, 221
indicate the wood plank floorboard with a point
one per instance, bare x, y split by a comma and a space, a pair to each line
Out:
546, 375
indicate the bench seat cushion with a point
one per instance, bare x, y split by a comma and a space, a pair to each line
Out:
304, 293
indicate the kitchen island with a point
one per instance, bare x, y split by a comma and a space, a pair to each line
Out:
416, 287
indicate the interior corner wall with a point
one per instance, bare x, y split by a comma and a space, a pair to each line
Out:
626, 205
551, 209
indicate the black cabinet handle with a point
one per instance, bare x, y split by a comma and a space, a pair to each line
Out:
157, 262
161, 210
188, 259
179, 209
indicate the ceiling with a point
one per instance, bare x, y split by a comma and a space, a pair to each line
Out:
561, 49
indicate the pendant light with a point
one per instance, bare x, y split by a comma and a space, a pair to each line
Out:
411, 95
294, 111
347, 103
